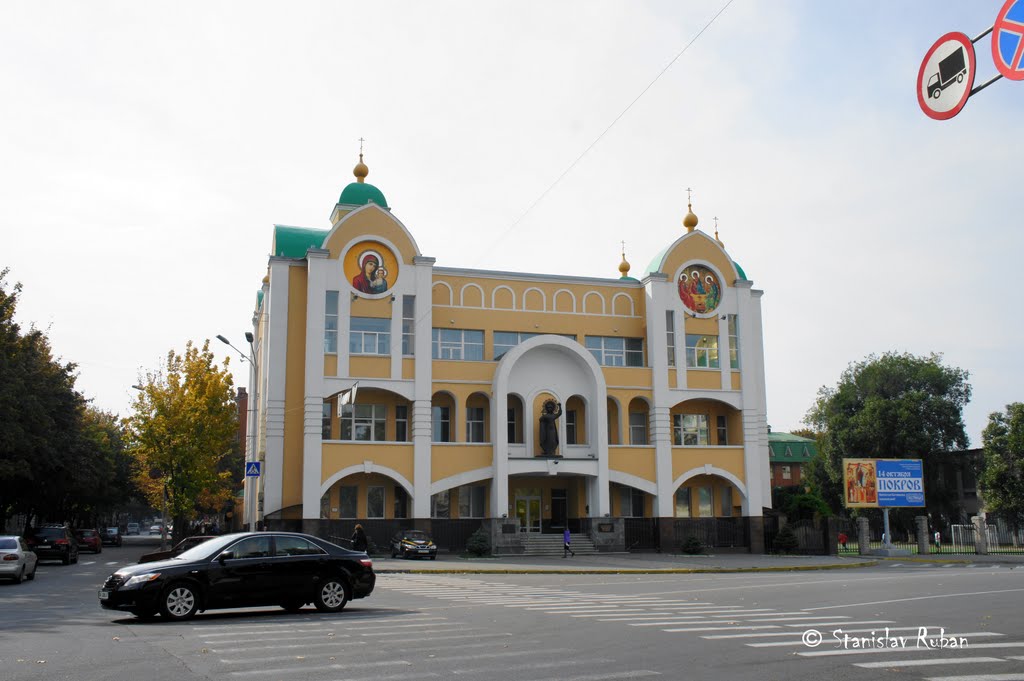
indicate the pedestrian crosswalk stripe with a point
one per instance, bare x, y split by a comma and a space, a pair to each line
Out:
925, 663
877, 651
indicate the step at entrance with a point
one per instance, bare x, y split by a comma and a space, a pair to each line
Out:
551, 545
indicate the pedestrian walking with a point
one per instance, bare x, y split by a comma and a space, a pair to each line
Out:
359, 542
843, 539
566, 548
938, 542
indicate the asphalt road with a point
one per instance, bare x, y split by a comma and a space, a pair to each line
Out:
533, 627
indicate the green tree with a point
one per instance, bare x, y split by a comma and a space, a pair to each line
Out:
893, 406
1002, 471
183, 435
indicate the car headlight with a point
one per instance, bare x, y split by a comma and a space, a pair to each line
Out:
408, 543
139, 580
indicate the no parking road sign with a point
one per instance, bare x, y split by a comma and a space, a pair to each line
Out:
946, 76
1008, 40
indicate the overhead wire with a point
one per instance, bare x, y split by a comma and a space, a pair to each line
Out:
604, 132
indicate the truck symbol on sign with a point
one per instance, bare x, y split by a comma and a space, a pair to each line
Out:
952, 69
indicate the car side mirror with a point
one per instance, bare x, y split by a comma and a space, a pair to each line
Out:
226, 555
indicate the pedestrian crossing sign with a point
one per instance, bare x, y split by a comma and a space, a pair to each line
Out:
252, 469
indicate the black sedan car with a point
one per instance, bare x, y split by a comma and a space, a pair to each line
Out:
248, 569
179, 548
412, 544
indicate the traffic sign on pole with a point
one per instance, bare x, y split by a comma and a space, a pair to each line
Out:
946, 76
1008, 40
252, 469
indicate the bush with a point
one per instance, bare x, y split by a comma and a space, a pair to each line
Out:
692, 546
786, 541
479, 543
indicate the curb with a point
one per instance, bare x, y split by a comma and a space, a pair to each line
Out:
620, 571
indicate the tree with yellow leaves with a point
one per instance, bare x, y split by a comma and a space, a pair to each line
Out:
183, 434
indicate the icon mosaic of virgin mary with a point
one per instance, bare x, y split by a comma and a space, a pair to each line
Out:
699, 289
373, 273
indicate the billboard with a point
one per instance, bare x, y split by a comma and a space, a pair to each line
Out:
883, 483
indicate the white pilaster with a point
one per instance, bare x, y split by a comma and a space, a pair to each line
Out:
319, 269
277, 352
421, 416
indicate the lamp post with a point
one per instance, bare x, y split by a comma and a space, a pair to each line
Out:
251, 489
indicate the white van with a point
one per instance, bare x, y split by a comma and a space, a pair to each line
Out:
133, 528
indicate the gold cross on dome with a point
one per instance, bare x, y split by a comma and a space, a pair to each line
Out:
688, 195
361, 140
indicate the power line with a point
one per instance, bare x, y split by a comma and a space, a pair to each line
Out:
610, 125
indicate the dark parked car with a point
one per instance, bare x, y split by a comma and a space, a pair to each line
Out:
248, 569
89, 540
413, 543
53, 542
112, 536
179, 548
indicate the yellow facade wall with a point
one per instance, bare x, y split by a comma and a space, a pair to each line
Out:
330, 365
375, 222
638, 461
294, 389
727, 458
699, 246
361, 366
703, 379
737, 384
337, 456
449, 460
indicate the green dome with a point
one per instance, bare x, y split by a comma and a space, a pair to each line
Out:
739, 270
361, 193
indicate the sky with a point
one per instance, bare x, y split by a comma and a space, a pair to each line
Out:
147, 150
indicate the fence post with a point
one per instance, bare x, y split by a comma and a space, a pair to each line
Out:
980, 535
831, 536
921, 522
863, 536
756, 533
667, 535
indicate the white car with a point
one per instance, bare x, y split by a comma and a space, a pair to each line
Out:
17, 561
155, 529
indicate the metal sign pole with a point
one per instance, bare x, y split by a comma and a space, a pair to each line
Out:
887, 543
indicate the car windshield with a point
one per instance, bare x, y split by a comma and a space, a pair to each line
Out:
207, 548
8, 543
112, 530
46, 532
416, 536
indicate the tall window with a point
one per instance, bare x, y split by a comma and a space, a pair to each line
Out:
513, 427
734, 342
325, 422
408, 325
401, 502
475, 424
612, 351
331, 322
683, 502
347, 501
369, 336
670, 336
442, 425
457, 344
374, 502
401, 424
632, 502
726, 501
637, 428
723, 430
363, 422
471, 501
704, 507
570, 427
701, 351
439, 506
690, 429
787, 473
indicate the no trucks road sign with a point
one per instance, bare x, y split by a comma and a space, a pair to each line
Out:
946, 76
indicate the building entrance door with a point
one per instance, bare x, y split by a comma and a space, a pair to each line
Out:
528, 512
559, 509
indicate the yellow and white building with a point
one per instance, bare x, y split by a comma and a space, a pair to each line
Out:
660, 382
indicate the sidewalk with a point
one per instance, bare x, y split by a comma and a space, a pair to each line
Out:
660, 563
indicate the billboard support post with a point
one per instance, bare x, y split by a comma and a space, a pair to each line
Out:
887, 543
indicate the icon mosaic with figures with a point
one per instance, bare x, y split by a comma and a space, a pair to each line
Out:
699, 289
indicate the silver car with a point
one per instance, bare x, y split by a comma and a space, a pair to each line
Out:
17, 561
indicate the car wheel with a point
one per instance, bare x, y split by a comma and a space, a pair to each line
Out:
180, 602
75, 559
393, 552
99, 549
331, 596
32, 575
66, 560
20, 577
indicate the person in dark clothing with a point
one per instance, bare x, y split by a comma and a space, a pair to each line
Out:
359, 542
567, 539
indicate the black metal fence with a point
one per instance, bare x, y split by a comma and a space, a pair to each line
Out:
642, 534
712, 532
449, 534
811, 536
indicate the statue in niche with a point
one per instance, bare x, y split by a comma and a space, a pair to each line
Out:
548, 427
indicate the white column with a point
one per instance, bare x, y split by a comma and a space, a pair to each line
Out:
277, 352
660, 297
423, 390
312, 441
755, 415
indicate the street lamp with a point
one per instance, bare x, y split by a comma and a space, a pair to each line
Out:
252, 488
